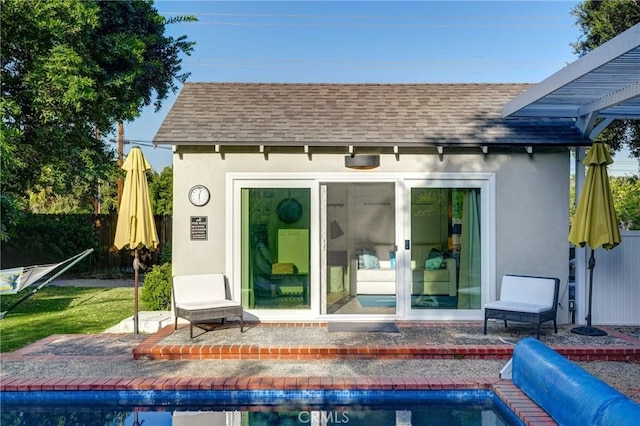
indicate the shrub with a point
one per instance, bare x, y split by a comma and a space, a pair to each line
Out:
43, 239
156, 289
165, 253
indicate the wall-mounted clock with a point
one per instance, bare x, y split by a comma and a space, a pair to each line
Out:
199, 195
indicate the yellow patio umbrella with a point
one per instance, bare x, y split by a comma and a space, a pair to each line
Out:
595, 222
136, 227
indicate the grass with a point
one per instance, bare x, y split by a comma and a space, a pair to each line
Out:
63, 310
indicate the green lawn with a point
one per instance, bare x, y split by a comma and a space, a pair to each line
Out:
63, 310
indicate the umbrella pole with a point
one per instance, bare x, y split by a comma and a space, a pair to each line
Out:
588, 330
136, 266
592, 264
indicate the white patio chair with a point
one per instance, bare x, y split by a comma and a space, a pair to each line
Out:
202, 298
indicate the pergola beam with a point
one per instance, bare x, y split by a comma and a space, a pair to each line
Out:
595, 61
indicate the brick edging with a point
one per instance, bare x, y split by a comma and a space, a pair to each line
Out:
524, 408
512, 396
152, 348
248, 383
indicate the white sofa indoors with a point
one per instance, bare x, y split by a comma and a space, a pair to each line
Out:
382, 279
376, 280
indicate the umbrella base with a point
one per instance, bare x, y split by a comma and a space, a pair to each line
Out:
588, 331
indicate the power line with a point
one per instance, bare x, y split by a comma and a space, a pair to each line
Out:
303, 62
376, 26
141, 142
340, 62
411, 17
359, 21
148, 143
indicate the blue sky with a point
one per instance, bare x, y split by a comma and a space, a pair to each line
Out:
367, 42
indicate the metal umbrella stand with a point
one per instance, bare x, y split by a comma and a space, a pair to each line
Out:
588, 330
595, 222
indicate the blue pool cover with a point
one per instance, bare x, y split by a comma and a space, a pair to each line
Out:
571, 395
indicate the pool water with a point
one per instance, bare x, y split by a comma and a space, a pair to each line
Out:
193, 408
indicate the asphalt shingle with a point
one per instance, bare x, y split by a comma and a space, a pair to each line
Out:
356, 114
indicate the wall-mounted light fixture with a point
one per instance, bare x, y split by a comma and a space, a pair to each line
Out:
362, 162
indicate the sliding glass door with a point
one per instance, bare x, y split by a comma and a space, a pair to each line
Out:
412, 247
360, 240
437, 270
444, 247
275, 233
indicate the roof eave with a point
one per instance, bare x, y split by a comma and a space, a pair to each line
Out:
569, 142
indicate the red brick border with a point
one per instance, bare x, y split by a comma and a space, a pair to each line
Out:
512, 396
518, 402
153, 349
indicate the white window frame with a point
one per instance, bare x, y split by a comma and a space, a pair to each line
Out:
486, 182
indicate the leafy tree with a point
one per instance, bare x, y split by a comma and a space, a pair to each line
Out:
69, 67
161, 191
626, 197
600, 21
625, 191
11, 216
80, 198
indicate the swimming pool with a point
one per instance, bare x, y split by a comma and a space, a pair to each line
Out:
256, 407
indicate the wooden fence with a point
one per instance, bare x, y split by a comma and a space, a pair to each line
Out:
105, 229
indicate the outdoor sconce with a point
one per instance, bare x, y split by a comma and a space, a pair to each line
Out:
362, 162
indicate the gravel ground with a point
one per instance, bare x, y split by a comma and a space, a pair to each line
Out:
84, 353
473, 334
623, 376
629, 331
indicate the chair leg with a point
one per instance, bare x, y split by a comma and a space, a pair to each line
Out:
485, 325
175, 324
505, 323
190, 329
555, 326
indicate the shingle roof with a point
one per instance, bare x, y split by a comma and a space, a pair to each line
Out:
356, 114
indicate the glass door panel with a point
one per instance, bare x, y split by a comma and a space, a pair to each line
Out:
445, 248
360, 248
275, 227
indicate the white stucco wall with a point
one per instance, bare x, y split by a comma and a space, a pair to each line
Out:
531, 213
532, 220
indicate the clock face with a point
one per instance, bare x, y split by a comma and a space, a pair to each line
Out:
199, 195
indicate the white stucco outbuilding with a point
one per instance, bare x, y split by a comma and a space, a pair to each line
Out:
385, 201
